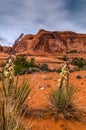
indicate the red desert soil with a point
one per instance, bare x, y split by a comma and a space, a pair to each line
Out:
42, 84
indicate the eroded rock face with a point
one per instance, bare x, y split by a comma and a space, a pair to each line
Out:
51, 42
5, 49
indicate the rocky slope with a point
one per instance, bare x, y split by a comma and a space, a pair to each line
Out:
47, 41
5, 49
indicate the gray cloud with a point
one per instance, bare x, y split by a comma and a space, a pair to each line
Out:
28, 16
4, 41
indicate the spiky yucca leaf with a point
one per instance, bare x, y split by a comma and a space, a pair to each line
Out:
13, 99
21, 95
12, 104
61, 104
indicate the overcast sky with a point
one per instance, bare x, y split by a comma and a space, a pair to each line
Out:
28, 16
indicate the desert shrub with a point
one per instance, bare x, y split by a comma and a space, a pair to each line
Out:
44, 67
32, 63
29, 71
80, 62
64, 58
73, 51
61, 103
83, 68
22, 65
13, 100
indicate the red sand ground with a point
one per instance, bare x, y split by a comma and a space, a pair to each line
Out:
39, 99
49, 81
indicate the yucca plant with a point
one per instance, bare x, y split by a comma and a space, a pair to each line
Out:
61, 103
13, 100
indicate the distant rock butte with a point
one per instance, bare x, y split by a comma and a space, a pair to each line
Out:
50, 42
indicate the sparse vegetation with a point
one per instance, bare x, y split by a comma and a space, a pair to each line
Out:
73, 51
32, 63
12, 101
44, 67
80, 62
64, 58
61, 102
22, 65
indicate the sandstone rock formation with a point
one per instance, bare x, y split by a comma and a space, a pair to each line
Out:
47, 41
5, 49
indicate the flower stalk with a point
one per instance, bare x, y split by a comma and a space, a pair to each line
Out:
13, 99
63, 81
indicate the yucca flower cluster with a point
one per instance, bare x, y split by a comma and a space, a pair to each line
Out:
9, 69
13, 99
63, 81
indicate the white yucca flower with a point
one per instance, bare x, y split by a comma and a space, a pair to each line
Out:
9, 69
63, 81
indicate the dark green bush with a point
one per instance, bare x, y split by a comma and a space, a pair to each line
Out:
22, 65
32, 63
80, 62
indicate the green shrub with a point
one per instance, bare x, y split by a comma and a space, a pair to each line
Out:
80, 62
32, 63
22, 65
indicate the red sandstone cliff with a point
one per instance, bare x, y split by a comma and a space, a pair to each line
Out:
5, 49
47, 41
